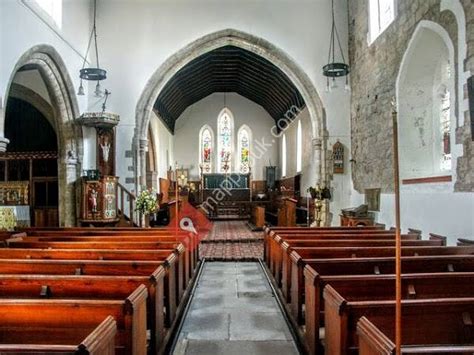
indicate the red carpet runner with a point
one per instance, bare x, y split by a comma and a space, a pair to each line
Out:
232, 240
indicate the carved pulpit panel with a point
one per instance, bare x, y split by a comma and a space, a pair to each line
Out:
99, 199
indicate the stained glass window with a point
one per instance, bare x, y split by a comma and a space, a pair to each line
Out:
206, 150
244, 137
445, 125
225, 125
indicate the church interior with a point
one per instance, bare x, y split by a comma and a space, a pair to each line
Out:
236, 177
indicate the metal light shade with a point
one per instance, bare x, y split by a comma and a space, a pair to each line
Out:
93, 74
334, 70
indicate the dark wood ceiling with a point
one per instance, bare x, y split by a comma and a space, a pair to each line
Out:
228, 69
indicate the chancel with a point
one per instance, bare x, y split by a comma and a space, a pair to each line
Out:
223, 177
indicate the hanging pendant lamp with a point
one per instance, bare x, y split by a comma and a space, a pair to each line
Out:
92, 74
335, 69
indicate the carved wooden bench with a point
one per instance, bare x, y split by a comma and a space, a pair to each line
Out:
66, 341
78, 314
341, 317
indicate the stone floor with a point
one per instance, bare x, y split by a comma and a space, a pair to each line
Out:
232, 240
234, 312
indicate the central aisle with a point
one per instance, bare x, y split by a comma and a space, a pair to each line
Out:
234, 312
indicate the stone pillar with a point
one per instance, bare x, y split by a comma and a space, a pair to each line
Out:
142, 149
69, 217
318, 159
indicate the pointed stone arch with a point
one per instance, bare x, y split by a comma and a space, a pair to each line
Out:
65, 109
248, 42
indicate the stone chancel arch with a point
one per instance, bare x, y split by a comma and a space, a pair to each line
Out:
253, 44
65, 109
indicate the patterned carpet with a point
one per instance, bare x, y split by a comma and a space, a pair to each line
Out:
232, 240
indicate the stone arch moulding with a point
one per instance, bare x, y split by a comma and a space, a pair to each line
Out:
436, 28
245, 41
21, 92
65, 109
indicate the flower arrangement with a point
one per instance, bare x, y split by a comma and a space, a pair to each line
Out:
319, 193
146, 202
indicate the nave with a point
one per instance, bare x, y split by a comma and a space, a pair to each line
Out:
236, 176
147, 291
234, 311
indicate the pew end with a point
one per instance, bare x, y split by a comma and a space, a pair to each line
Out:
440, 238
465, 242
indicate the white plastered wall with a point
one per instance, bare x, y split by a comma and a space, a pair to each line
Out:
136, 37
340, 183
22, 27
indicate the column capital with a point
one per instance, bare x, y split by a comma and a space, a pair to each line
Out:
143, 144
3, 144
317, 143
71, 158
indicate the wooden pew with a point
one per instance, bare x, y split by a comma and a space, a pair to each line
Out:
360, 252
367, 266
341, 317
189, 240
464, 242
183, 262
68, 341
130, 315
382, 286
95, 267
273, 239
271, 232
279, 245
377, 340
88, 254
287, 263
186, 240
93, 287
189, 255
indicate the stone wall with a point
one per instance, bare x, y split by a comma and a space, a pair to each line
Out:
374, 71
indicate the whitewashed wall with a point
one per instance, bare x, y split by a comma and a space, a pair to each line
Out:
341, 183
431, 208
164, 146
206, 111
158, 29
23, 27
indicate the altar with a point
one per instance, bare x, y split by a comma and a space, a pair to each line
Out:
229, 195
14, 208
226, 187
14, 216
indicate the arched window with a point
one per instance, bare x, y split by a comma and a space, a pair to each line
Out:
283, 155
425, 88
206, 148
225, 127
53, 8
244, 137
381, 15
299, 147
